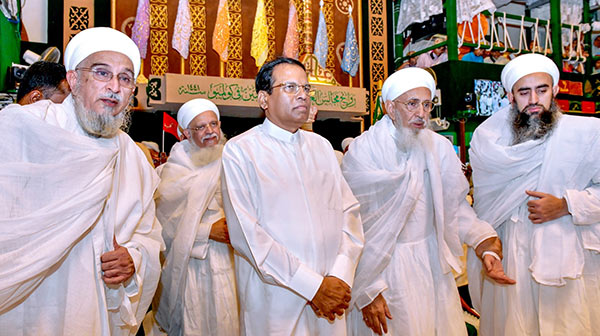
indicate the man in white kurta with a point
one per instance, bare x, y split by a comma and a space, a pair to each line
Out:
198, 294
293, 221
412, 192
536, 176
79, 241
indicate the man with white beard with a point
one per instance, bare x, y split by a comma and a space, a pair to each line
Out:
198, 295
412, 192
79, 241
536, 177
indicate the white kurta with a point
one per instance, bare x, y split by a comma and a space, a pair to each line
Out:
292, 220
415, 218
556, 264
198, 295
64, 197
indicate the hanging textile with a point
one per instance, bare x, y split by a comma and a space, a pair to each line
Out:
351, 57
412, 11
221, 34
141, 28
291, 44
182, 29
259, 48
321, 42
467, 9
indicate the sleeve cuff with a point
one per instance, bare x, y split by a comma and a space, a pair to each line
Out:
132, 284
487, 236
306, 282
343, 268
371, 292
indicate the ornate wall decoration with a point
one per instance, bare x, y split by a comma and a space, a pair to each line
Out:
377, 49
197, 59
234, 63
79, 15
270, 13
159, 37
328, 11
342, 6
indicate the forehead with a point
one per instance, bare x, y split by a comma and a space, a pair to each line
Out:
533, 80
421, 93
204, 117
289, 72
111, 58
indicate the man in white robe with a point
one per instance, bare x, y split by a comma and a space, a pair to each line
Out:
412, 195
79, 240
198, 294
536, 176
293, 221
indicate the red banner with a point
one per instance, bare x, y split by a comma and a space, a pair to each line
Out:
170, 124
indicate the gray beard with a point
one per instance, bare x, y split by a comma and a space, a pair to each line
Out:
525, 128
201, 156
103, 125
408, 140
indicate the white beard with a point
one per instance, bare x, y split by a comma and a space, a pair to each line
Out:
202, 156
103, 125
409, 140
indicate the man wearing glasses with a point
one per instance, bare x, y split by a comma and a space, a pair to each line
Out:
79, 239
412, 192
293, 220
198, 295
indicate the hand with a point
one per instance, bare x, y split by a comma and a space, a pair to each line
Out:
117, 265
546, 208
219, 231
494, 269
332, 298
375, 313
492, 244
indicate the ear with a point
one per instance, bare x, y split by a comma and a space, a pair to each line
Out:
263, 98
555, 90
35, 95
389, 108
72, 78
510, 97
187, 134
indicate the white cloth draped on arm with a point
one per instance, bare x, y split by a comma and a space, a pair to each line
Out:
59, 188
561, 165
183, 196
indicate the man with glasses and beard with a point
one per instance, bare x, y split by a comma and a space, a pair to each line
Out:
198, 295
412, 195
536, 175
79, 240
292, 219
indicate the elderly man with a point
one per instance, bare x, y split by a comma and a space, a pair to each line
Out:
536, 175
43, 80
293, 221
79, 241
198, 283
412, 195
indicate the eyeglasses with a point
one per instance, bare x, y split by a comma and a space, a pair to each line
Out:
213, 125
293, 88
103, 75
413, 104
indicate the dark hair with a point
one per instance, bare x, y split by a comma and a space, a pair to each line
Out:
263, 81
43, 76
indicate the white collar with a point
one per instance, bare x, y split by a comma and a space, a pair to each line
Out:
279, 133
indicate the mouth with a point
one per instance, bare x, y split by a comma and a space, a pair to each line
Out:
109, 102
418, 124
534, 110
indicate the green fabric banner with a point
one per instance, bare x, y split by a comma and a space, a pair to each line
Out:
10, 45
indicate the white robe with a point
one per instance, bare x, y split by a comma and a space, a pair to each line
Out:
292, 220
416, 217
198, 294
64, 197
556, 264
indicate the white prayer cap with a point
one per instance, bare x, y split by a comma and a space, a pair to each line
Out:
525, 65
188, 111
97, 39
346, 142
407, 79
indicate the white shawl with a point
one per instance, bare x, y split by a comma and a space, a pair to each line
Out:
567, 160
375, 169
182, 197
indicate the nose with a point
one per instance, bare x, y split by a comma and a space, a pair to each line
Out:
301, 93
113, 84
420, 111
533, 98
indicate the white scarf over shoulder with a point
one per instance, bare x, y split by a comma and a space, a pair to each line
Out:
183, 196
566, 161
374, 171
